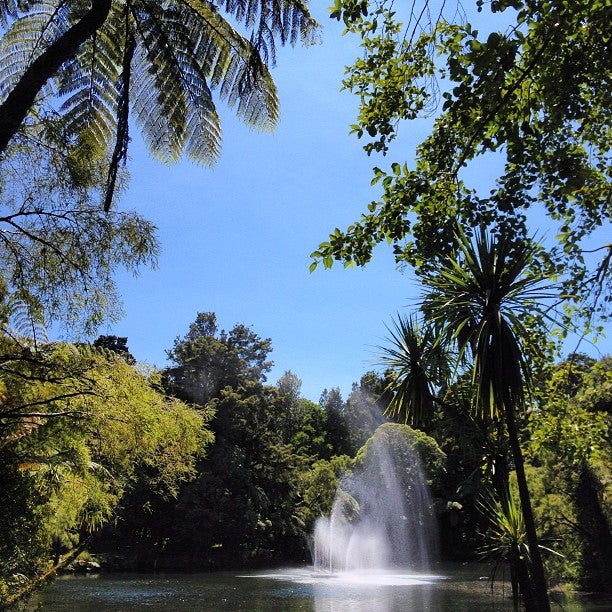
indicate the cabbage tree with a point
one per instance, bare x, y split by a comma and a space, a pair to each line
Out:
493, 310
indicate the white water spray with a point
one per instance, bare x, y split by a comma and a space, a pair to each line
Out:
382, 518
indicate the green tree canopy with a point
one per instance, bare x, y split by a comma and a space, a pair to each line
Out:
78, 424
570, 442
245, 502
335, 416
208, 359
530, 101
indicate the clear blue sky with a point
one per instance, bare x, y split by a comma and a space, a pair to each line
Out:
236, 240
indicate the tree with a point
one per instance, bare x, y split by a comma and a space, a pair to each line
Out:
244, 504
364, 410
77, 425
570, 443
429, 391
159, 61
486, 308
116, 345
58, 250
488, 304
533, 99
208, 359
336, 425
289, 389
311, 437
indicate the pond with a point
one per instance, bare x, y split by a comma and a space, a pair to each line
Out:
458, 589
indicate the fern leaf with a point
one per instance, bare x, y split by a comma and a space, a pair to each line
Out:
26, 319
10, 10
89, 83
289, 20
233, 64
25, 40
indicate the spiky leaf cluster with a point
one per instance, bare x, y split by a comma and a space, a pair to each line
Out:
487, 303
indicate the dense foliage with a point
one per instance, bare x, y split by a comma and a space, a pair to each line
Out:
77, 426
570, 447
206, 464
517, 97
96, 456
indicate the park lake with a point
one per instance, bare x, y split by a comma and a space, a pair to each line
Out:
456, 588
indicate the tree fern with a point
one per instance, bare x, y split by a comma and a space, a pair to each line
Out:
186, 52
25, 322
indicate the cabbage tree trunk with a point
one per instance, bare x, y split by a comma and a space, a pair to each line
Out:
538, 600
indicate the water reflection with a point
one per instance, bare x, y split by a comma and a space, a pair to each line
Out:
285, 591
361, 592
381, 599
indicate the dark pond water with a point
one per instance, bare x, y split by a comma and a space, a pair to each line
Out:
457, 589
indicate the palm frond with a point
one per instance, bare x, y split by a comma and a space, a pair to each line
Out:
507, 538
418, 364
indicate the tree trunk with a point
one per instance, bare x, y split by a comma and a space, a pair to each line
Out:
21, 99
594, 532
541, 602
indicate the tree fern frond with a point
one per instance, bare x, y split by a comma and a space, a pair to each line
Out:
232, 64
286, 19
193, 55
156, 110
27, 37
12, 9
185, 50
98, 58
91, 114
89, 83
26, 321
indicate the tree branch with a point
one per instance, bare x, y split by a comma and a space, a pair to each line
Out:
13, 412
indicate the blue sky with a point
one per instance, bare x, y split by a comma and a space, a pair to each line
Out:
236, 240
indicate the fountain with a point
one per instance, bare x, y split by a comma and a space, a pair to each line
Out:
382, 519
374, 550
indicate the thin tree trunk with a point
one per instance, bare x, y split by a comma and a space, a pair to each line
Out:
594, 530
21, 99
540, 590
38, 581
